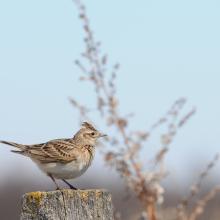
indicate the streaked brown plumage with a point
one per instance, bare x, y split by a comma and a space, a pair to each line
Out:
63, 158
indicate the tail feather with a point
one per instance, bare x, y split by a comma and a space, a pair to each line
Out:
18, 152
20, 146
27, 150
28, 154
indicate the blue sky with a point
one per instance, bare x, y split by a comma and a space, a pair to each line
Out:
167, 49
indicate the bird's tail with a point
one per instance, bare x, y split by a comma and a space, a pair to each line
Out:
20, 146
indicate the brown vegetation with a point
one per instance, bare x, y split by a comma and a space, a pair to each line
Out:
125, 158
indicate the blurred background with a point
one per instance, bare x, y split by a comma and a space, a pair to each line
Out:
166, 50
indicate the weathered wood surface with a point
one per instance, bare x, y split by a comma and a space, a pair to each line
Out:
67, 205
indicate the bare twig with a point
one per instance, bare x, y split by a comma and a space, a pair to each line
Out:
125, 157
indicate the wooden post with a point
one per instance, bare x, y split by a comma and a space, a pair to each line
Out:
67, 205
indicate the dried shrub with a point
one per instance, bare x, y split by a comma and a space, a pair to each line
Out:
125, 154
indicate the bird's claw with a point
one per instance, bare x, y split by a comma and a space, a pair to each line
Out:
71, 187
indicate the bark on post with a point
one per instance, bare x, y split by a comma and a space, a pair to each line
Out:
67, 205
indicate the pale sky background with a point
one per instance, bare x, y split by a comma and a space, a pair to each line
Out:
167, 49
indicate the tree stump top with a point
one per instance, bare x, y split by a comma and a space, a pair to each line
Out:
67, 205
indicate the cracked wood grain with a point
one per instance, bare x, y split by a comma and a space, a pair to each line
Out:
67, 205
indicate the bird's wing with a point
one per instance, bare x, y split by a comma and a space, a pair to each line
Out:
59, 150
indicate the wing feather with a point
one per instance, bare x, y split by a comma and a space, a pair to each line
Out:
59, 150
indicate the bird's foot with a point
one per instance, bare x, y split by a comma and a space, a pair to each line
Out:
72, 187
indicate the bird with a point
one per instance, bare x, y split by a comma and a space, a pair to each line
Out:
63, 158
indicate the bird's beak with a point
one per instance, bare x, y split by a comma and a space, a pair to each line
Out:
102, 135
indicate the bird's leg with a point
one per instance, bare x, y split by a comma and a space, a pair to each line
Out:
58, 188
71, 187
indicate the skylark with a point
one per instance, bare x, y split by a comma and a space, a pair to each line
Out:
63, 158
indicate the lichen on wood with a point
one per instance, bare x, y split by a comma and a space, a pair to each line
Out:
67, 205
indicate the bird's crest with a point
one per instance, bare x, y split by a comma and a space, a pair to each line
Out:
88, 126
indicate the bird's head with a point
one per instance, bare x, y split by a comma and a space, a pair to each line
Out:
88, 135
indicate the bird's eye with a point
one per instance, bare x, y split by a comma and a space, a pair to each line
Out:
92, 133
